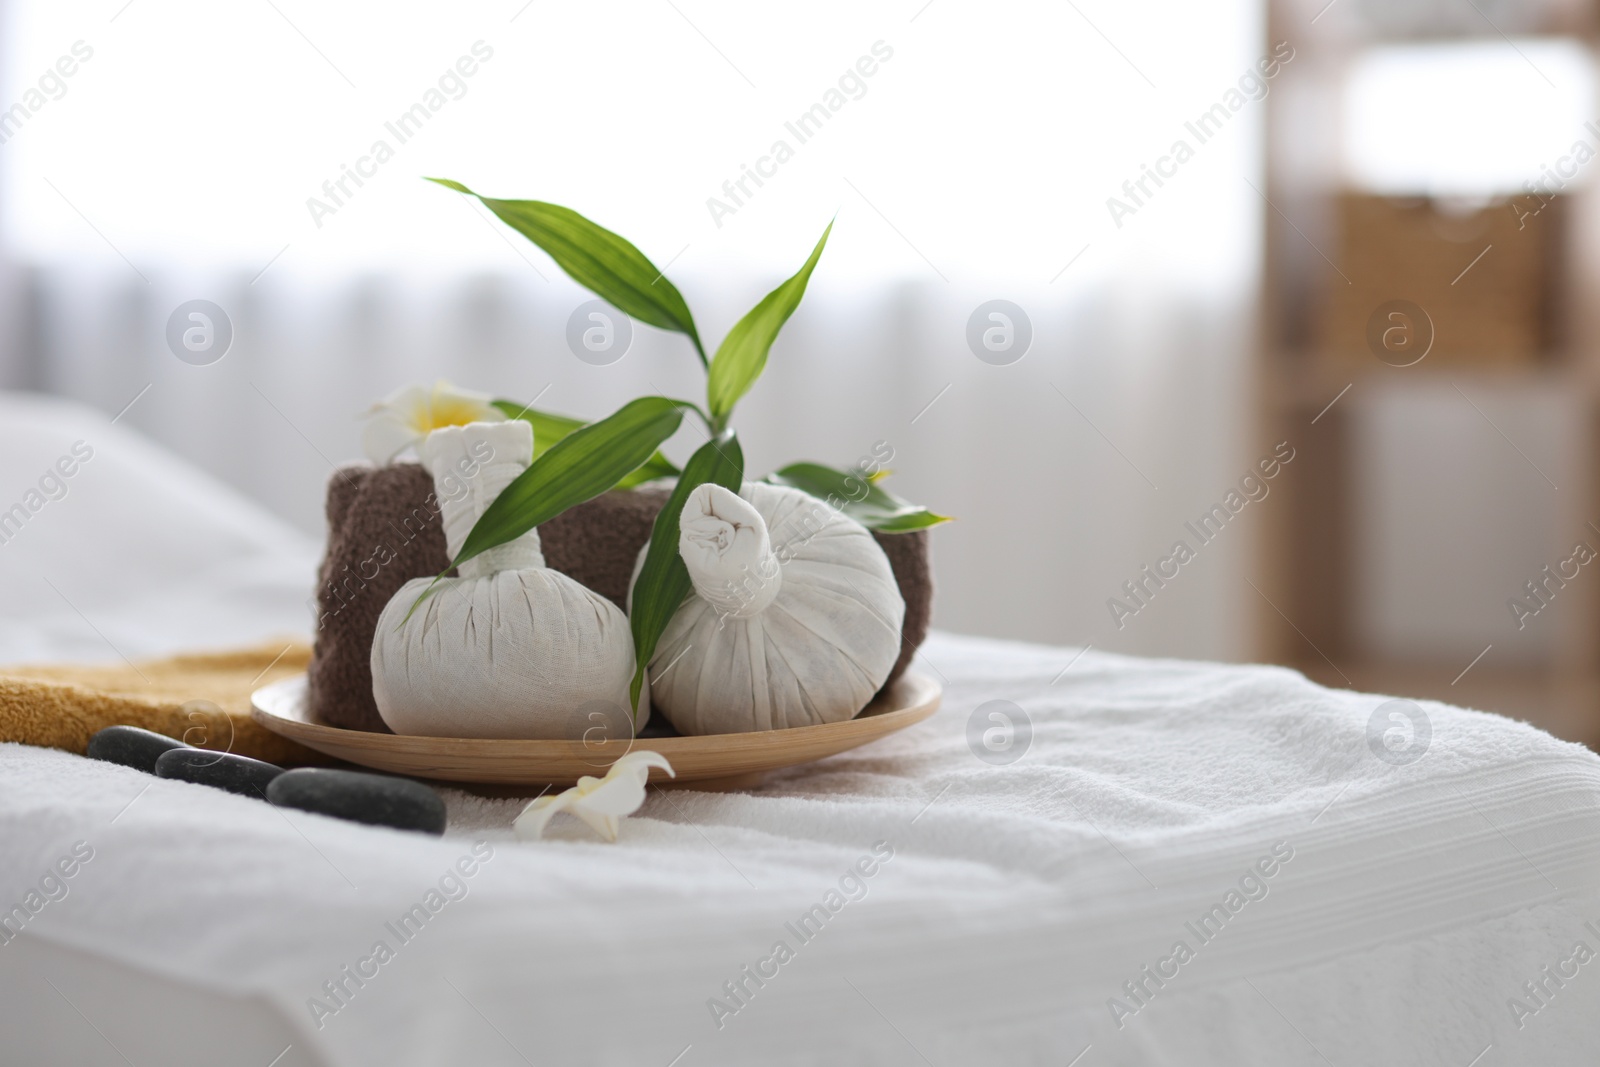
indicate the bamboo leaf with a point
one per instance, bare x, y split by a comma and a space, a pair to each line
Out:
742, 356
857, 495
548, 428
663, 581
579, 467
597, 259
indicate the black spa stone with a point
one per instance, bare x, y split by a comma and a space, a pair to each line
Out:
237, 774
131, 747
375, 799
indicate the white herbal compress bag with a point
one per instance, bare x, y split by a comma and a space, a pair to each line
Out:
794, 621
511, 648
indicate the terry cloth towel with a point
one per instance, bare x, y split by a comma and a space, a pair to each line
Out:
200, 698
1031, 884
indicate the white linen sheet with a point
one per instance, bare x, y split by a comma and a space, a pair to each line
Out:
1406, 909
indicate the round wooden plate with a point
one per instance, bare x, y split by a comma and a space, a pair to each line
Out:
716, 761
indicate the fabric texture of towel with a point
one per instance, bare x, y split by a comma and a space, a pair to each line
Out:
1386, 911
384, 529
202, 699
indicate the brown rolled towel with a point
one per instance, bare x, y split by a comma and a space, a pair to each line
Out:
913, 573
597, 543
384, 529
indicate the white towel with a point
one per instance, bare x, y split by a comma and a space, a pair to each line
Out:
1019, 899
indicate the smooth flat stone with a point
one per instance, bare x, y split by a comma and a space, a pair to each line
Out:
375, 799
223, 770
131, 747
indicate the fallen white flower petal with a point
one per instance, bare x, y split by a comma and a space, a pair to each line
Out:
599, 802
402, 419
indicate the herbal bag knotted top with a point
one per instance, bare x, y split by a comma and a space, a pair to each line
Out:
794, 621
510, 649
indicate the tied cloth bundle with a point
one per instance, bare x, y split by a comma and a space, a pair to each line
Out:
796, 618
510, 648
201, 698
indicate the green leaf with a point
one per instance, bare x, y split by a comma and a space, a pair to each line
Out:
663, 581
597, 259
579, 467
858, 496
549, 428
742, 356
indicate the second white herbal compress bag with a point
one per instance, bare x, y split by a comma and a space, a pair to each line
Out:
794, 621
511, 648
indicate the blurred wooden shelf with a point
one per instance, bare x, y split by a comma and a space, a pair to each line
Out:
1306, 565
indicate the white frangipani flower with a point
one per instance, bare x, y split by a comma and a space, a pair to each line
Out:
406, 416
600, 802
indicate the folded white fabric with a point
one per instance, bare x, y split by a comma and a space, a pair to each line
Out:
796, 618
510, 648
1020, 901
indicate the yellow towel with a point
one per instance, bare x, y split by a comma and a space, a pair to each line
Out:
202, 698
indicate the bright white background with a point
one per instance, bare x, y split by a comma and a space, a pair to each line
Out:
977, 165
991, 139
